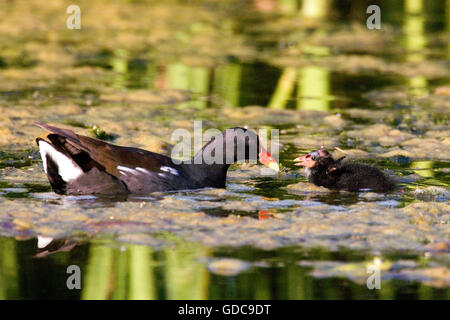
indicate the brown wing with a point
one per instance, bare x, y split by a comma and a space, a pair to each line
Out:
107, 155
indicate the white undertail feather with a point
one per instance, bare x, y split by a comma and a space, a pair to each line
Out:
43, 241
67, 168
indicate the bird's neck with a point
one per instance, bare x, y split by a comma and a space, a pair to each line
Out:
207, 169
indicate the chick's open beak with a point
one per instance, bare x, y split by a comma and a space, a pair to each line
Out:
304, 161
266, 159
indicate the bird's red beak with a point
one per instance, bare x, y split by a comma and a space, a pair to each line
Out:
266, 159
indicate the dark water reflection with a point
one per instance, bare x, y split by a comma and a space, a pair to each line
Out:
110, 271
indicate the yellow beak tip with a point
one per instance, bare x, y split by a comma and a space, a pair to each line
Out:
274, 166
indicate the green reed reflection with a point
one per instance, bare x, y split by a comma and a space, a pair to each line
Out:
141, 273
130, 273
9, 270
192, 79
118, 274
227, 80
185, 276
415, 40
97, 277
284, 89
288, 7
313, 88
119, 64
315, 9
423, 168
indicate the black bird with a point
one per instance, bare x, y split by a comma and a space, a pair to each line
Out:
323, 170
77, 164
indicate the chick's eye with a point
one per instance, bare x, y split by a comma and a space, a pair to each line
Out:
314, 155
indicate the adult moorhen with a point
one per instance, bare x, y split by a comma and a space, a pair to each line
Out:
323, 170
77, 164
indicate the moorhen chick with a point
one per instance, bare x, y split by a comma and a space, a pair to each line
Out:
77, 164
323, 170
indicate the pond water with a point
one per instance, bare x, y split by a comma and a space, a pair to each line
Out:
382, 96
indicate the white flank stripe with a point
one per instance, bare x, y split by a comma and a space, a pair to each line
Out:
67, 169
170, 170
143, 170
123, 170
